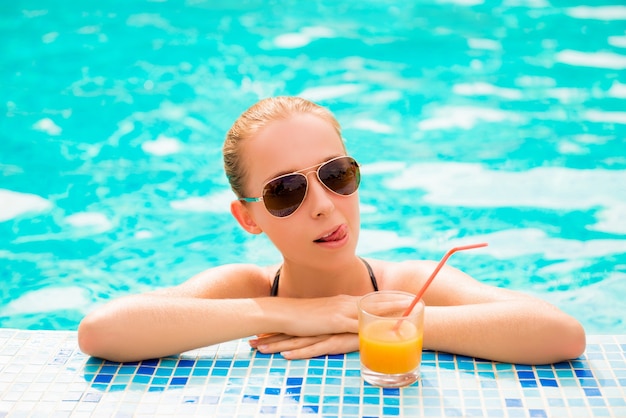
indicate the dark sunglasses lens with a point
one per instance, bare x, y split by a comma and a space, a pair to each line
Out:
342, 175
282, 196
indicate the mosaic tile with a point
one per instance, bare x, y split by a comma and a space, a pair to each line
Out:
44, 373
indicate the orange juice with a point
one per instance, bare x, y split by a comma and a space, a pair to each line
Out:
385, 350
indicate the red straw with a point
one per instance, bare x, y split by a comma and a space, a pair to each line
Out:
432, 276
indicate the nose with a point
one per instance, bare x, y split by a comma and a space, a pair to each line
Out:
318, 199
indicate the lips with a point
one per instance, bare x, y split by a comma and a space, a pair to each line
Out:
337, 234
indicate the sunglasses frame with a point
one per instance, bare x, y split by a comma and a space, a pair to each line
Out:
304, 173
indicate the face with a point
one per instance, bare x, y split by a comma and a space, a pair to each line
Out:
326, 225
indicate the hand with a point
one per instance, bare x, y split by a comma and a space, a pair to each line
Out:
293, 348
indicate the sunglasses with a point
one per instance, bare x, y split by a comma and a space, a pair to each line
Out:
283, 195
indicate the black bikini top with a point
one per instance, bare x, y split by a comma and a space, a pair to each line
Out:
274, 291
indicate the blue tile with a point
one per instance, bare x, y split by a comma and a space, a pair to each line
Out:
103, 378
294, 381
332, 381
146, 370
391, 391
465, 365
141, 379
539, 413
200, 372
588, 383
293, 390
525, 375
330, 409
351, 399
513, 402
549, 382
371, 400
545, 373
488, 375
311, 399
583, 373
178, 381
127, 370
310, 409
185, 363
164, 372
592, 392
205, 363
315, 371
391, 401
109, 369
223, 363
391, 411
182, 371
335, 364
445, 356
528, 383
165, 362
161, 381
239, 363
268, 409
334, 372
272, 391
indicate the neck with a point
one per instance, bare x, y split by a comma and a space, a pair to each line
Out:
299, 281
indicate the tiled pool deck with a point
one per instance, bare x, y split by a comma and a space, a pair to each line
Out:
43, 374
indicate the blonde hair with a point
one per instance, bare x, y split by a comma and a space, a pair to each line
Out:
254, 120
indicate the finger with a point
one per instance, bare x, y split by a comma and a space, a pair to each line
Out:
334, 344
263, 339
289, 344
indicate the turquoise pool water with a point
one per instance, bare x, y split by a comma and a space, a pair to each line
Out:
502, 121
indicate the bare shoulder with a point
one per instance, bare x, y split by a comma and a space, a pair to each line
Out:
404, 275
227, 281
451, 286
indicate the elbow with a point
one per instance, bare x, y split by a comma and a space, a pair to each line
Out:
89, 340
565, 341
575, 340
95, 338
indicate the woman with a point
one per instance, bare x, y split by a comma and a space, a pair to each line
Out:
287, 164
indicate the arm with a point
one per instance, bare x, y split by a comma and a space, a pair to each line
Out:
467, 317
205, 311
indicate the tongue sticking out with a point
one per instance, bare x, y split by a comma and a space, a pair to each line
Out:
336, 235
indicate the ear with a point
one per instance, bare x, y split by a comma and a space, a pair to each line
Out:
244, 217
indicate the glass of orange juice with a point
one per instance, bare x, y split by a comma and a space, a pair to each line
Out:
390, 344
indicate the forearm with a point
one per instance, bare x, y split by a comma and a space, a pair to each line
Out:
515, 331
150, 326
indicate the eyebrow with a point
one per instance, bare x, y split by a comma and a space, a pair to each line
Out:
285, 172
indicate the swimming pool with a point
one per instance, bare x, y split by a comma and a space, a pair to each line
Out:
474, 120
